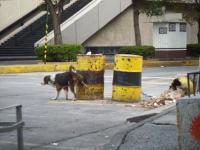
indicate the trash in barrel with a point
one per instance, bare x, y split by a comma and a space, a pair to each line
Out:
127, 78
91, 67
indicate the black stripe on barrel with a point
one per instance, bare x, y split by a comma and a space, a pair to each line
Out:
93, 77
127, 78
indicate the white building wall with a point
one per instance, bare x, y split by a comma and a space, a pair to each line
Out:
12, 10
89, 20
119, 32
108, 9
87, 23
192, 30
159, 40
175, 39
92, 27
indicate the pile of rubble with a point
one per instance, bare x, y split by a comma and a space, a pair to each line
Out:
168, 96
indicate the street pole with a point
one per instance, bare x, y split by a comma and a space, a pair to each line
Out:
46, 34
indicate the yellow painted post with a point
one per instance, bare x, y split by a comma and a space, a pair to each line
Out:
46, 40
127, 78
92, 69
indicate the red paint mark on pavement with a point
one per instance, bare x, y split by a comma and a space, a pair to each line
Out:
195, 128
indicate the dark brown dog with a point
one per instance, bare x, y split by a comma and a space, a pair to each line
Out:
182, 83
64, 80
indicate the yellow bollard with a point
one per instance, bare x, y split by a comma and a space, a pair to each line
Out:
92, 69
127, 78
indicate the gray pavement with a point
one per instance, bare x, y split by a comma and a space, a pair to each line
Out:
87, 125
156, 132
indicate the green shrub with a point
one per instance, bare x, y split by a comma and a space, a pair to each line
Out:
193, 50
59, 53
145, 51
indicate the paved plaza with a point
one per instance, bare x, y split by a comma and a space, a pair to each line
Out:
74, 125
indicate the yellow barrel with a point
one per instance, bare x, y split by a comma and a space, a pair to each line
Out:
184, 84
92, 69
127, 78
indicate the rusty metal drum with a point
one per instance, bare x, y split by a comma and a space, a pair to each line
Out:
127, 78
92, 69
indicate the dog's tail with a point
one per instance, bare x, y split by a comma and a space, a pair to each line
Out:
84, 84
78, 76
72, 69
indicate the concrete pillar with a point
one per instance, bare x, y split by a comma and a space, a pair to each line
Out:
188, 123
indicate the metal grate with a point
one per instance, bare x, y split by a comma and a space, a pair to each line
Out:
195, 78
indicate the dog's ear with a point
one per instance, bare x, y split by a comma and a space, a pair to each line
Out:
48, 77
177, 82
174, 84
72, 69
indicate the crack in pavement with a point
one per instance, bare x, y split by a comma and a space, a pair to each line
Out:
121, 141
164, 124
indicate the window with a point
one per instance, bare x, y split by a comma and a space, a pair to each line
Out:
163, 30
182, 27
172, 27
103, 50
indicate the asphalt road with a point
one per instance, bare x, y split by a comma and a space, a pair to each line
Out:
73, 125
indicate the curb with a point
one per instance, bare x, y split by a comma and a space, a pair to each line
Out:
49, 67
155, 63
54, 66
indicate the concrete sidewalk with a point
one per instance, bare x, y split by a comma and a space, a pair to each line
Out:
87, 125
80, 125
155, 133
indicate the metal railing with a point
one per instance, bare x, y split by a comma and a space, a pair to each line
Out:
194, 77
18, 125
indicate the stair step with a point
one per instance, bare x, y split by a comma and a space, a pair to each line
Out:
10, 58
23, 42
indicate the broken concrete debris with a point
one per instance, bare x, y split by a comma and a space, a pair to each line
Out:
168, 96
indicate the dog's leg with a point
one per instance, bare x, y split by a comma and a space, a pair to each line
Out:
58, 93
73, 91
66, 92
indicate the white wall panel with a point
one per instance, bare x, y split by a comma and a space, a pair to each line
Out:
108, 9
159, 40
87, 25
171, 40
125, 4
70, 34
